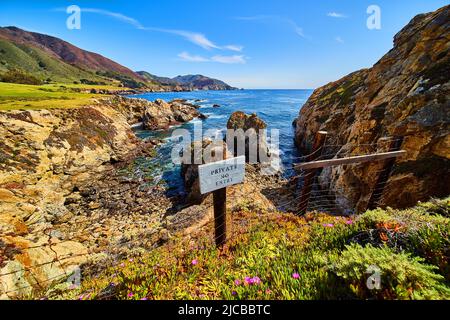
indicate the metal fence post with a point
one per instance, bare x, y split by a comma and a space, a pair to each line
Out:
310, 174
385, 173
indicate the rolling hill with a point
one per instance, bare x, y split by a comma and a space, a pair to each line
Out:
51, 59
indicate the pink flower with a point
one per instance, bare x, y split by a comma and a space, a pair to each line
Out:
237, 282
328, 225
295, 275
349, 221
252, 281
131, 260
122, 265
268, 291
144, 299
194, 262
256, 280
130, 294
88, 296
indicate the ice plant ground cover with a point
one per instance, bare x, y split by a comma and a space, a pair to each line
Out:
281, 256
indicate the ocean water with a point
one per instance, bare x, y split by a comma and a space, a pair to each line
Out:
278, 108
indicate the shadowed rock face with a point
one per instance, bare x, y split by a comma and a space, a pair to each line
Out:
406, 93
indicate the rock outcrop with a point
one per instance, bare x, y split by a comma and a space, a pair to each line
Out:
406, 94
155, 115
44, 156
69, 189
161, 115
255, 137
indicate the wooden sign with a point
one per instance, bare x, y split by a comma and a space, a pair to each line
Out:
221, 174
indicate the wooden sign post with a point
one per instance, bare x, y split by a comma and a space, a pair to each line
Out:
220, 216
216, 177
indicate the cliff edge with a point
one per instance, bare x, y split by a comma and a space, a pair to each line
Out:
406, 93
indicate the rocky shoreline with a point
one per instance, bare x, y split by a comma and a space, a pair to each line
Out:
69, 197
65, 188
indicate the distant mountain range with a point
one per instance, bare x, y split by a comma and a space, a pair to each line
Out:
188, 82
54, 60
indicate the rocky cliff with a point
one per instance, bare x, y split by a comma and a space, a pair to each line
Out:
63, 195
406, 93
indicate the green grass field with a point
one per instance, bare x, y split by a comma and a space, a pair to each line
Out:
20, 96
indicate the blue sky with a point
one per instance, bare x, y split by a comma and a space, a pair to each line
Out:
247, 43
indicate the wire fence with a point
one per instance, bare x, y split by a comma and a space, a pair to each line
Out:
328, 193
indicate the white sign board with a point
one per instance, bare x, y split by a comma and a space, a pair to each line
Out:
221, 174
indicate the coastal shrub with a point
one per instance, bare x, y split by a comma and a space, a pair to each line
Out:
18, 76
437, 207
423, 231
125, 80
272, 255
42, 65
333, 233
402, 276
90, 82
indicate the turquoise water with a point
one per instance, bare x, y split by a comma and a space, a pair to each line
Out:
278, 108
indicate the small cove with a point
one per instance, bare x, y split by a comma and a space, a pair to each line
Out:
278, 108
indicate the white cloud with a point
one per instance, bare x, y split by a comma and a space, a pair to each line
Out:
336, 15
253, 18
272, 18
298, 30
339, 40
235, 59
198, 38
234, 47
194, 37
192, 58
115, 15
